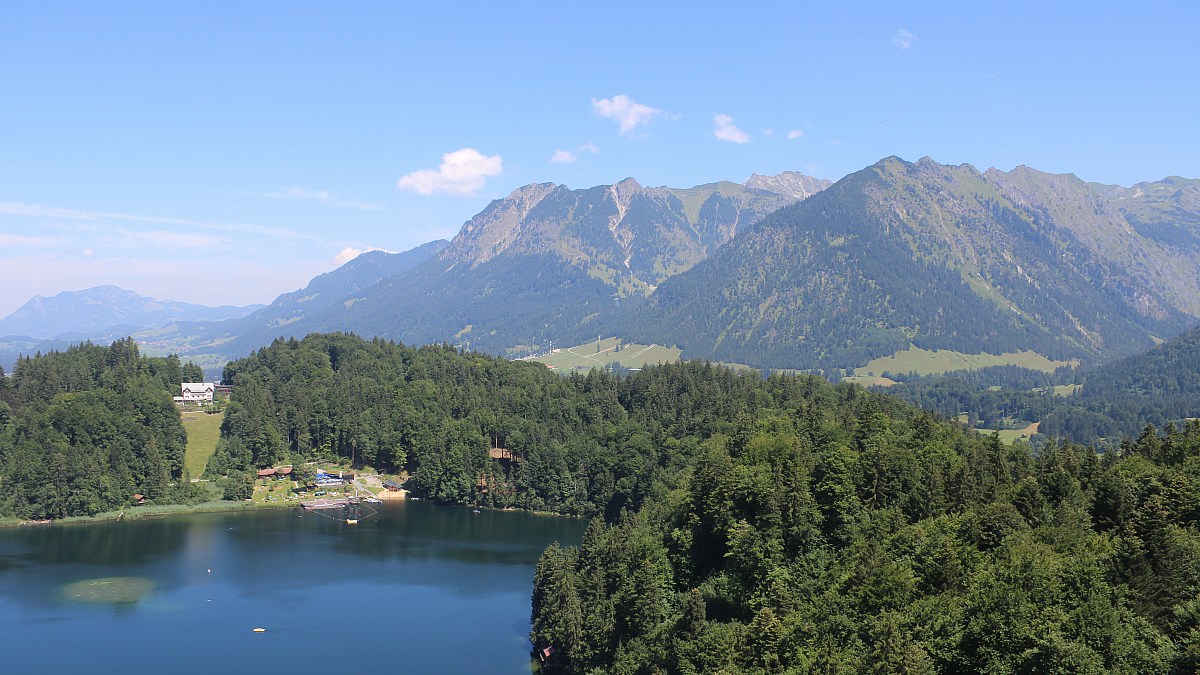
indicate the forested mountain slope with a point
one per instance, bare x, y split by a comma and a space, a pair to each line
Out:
1157, 387
236, 338
940, 257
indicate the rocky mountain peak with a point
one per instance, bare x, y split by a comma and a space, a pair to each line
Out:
624, 191
497, 226
791, 184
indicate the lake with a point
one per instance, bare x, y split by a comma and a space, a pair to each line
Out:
417, 588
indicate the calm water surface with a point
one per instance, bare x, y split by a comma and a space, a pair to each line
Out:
417, 589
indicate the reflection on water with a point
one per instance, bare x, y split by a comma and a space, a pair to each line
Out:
445, 588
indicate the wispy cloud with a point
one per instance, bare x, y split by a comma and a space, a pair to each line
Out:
173, 240
904, 39
30, 241
58, 213
350, 253
725, 130
324, 197
628, 113
561, 156
462, 172
794, 134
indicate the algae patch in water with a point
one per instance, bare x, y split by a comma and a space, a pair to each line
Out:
109, 590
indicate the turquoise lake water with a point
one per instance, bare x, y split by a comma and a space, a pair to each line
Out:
418, 588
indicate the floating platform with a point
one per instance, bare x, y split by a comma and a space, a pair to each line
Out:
327, 503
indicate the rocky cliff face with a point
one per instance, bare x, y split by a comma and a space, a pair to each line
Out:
628, 236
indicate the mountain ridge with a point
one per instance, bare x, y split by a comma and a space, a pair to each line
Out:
98, 309
936, 256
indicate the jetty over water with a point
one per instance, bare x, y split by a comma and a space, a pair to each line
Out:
329, 503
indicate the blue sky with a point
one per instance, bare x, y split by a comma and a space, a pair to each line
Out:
223, 153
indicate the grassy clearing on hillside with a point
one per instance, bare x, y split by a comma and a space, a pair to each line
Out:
924, 362
1011, 436
599, 354
203, 430
868, 381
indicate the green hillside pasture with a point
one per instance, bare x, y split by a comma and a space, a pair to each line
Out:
925, 362
597, 355
1011, 436
869, 381
203, 430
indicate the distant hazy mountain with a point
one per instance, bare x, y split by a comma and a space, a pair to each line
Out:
288, 314
333, 287
76, 314
942, 257
541, 263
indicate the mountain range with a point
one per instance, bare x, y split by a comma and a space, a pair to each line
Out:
783, 271
940, 257
106, 309
536, 265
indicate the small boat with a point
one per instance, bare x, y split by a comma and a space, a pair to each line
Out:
260, 630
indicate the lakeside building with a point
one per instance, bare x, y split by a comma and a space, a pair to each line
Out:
196, 392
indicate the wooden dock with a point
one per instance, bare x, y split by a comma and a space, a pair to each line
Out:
324, 503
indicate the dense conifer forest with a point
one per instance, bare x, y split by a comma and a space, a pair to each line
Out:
82, 431
774, 524
739, 522
841, 533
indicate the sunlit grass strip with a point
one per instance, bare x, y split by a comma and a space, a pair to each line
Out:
203, 432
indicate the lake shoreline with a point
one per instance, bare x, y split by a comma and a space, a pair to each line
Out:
168, 510
145, 513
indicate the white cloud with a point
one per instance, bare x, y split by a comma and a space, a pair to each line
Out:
350, 253
325, 197
904, 39
794, 134
589, 148
563, 157
462, 172
627, 112
725, 130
